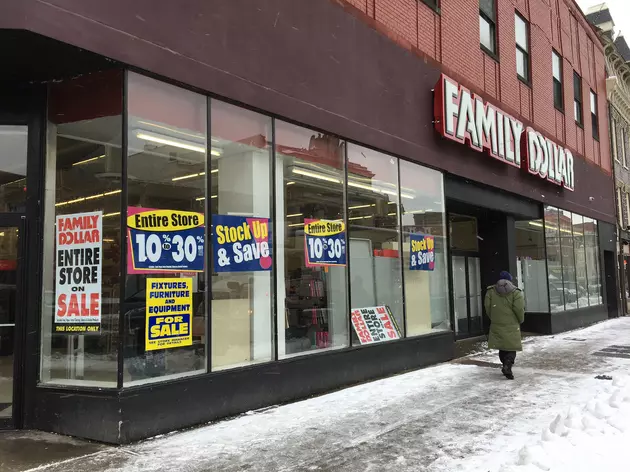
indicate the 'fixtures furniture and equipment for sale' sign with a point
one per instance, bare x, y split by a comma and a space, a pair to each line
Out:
466, 118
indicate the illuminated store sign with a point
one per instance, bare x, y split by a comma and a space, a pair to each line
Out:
464, 117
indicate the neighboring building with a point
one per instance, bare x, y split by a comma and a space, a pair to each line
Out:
212, 207
618, 93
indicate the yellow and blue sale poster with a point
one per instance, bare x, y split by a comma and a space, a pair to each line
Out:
169, 313
165, 241
324, 243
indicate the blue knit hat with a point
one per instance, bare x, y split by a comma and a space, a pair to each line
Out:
505, 275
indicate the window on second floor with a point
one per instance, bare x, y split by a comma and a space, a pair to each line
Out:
594, 118
558, 97
577, 99
522, 47
619, 208
613, 134
488, 26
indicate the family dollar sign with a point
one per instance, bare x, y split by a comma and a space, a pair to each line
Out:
79, 264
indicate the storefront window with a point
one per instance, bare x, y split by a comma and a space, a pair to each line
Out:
242, 290
82, 204
374, 233
311, 241
591, 243
14, 141
165, 292
424, 236
531, 265
568, 260
580, 261
554, 259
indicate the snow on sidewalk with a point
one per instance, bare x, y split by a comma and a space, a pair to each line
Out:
447, 418
593, 437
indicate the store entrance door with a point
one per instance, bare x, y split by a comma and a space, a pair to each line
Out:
10, 316
467, 295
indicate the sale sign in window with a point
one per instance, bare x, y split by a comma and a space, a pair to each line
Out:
241, 244
374, 324
79, 262
422, 252
324, 243
165, 241
168, 313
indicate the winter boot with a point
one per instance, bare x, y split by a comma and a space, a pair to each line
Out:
507, 371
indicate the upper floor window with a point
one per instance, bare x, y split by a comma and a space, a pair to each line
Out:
594, 119
624, 137
558, 97
488, 26
522, 47
577, 99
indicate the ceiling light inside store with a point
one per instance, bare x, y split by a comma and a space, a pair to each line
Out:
107, 215
183, 133
90, 197
294, 215
203, 198
295, 224
86, 161
190, 176
155, 138
315, 175
356, 207
290, 183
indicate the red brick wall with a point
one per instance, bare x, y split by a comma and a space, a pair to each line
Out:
450, 37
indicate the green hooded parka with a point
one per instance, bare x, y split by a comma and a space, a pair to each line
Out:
505, 306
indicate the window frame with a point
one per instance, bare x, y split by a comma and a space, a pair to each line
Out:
528, 79
578, 100
624, 157
493, 32
594, 116
558, 102
614, 140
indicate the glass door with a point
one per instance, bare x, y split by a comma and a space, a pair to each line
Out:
9, 309
467, 295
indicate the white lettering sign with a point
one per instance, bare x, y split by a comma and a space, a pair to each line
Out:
467, 119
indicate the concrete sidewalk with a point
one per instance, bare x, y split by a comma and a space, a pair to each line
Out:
452, 417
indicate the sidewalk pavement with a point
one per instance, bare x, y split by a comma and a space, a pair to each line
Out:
461, 416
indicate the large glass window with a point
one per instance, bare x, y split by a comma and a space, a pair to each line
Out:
568, 260
374, 231
531, 265
82, 234
577, 99
311, 243
591, 242
594, 116
165, 291
241, 198
423, 220
580, 260
554, 259
572, 260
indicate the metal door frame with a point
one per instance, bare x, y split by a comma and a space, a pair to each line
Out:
17, 220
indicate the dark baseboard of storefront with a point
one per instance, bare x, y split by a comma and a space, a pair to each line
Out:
138, 413
547, 323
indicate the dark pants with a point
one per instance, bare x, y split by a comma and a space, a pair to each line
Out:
507, 357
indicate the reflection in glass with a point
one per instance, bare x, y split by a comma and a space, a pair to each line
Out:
374, 232
569, 282
313, 315
9, 241
460, 295
241, 186
580, 260
426, 291
554, 259
13, 148
592, 261
166, 165
84, 164
531, 266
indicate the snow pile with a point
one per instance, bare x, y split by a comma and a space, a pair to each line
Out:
592, 438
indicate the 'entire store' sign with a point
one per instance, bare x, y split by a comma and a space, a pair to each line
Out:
466, 118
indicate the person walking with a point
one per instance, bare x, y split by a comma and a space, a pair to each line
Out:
505, 306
